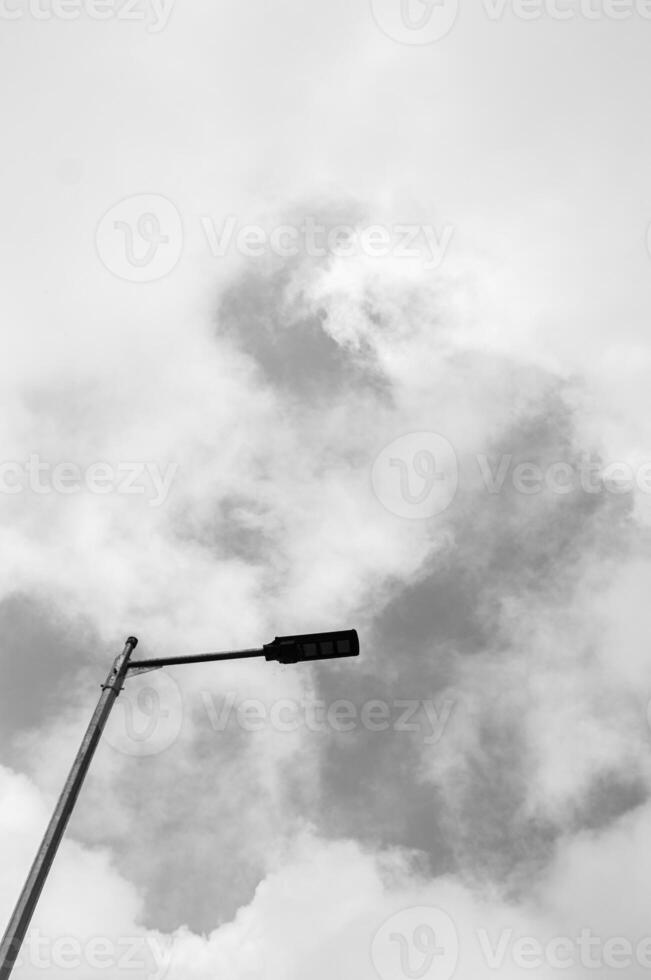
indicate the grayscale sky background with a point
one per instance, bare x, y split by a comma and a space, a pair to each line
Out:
292, 402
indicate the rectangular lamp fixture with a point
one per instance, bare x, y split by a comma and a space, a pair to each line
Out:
313, 646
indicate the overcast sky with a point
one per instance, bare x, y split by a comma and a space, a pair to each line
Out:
319, 316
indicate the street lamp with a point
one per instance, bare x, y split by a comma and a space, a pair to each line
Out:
303, 648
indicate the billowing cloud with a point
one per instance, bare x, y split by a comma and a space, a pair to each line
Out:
445, 448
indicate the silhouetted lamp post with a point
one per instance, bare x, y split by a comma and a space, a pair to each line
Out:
284, 649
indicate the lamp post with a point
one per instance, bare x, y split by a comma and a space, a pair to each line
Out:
284, 650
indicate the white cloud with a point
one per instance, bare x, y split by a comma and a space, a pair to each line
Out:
534, 154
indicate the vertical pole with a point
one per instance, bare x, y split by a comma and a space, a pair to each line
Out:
20, 920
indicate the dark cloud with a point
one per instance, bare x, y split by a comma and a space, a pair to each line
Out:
208, 799
373, 786
506, 546
201, 816
263, 314
237, 526
41, 656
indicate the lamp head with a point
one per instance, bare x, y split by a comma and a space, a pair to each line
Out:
307, 647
